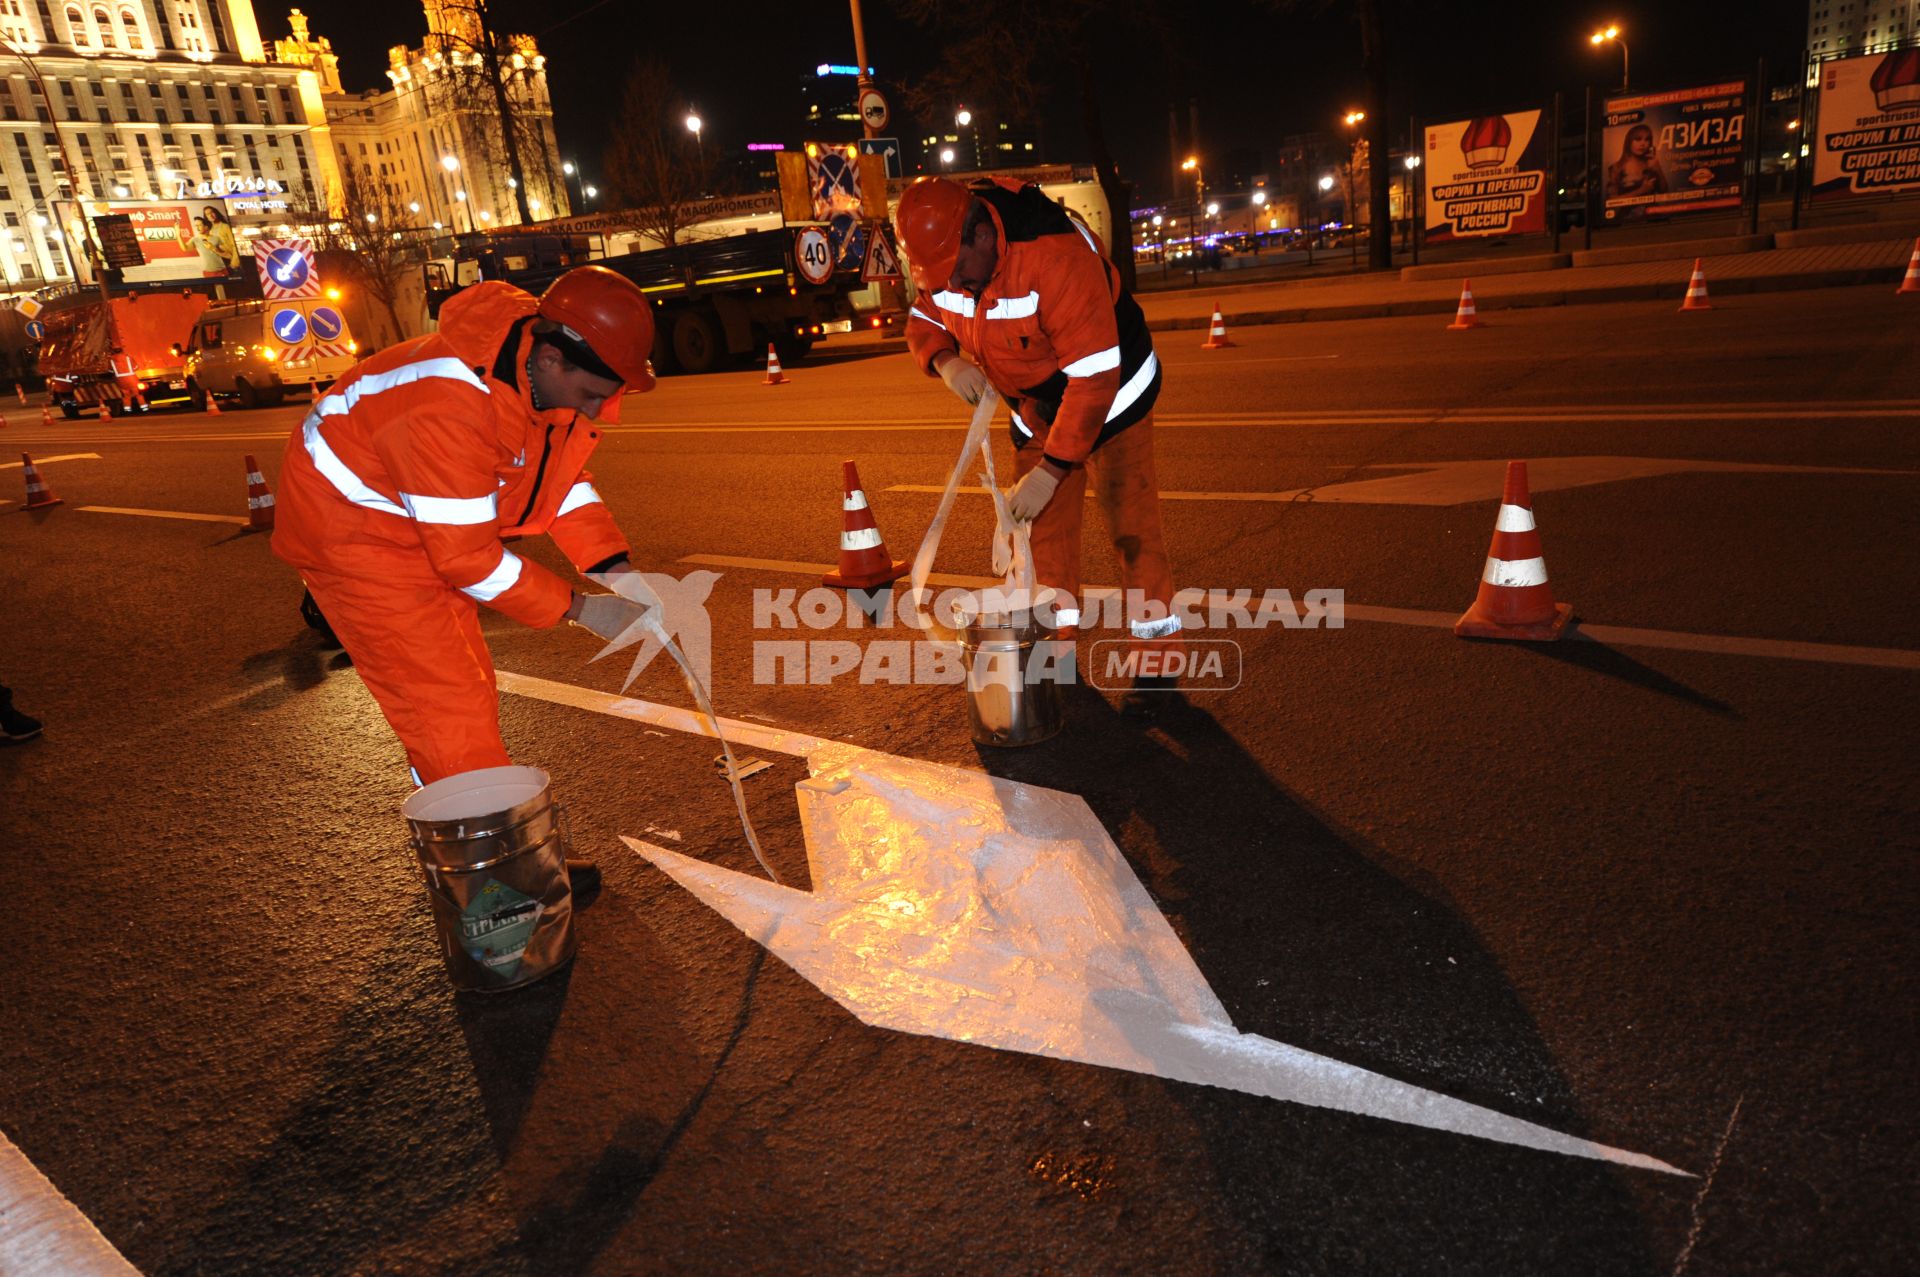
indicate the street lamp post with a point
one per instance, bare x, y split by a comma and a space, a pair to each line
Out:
1313, 232
1353, 118
694, 125
1611, 35
1192, 165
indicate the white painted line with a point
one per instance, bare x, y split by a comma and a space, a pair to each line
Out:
165, 514
798, 744
1437, 483
44, 461
1897, 658
42, 1234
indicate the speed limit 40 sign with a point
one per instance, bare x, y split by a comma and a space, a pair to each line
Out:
813, 254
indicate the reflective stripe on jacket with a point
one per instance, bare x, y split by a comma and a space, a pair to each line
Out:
1054, 330
425, 459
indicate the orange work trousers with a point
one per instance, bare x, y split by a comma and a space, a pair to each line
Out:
419, 650
1128, 491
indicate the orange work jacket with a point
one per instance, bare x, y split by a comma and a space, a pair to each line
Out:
425, 459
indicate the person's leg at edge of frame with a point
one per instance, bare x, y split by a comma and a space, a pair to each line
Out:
1127, 486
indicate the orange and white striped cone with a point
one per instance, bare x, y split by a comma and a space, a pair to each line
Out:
259, 498
1515, 600
774, 376
1217, 338
864, 561
1696, 298
46, 415
21, 391
106, 413
39, 495
1911, 284
1464, 315
213, 405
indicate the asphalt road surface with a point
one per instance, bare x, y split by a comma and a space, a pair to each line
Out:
1653, 885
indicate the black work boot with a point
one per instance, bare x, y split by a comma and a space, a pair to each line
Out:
1149, 695
15, 726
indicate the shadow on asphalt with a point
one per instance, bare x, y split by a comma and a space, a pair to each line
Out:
1312, 938
1596, 657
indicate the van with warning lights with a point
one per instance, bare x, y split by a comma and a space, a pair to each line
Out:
257, 352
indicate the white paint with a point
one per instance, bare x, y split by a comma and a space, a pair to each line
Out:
43, 461
1617, 635
41, 1232
187, 515
963, 906
1443, 483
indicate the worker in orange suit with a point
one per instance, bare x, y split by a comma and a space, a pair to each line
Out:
403, 485
1017, 294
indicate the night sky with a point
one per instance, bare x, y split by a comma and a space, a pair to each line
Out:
1260, 71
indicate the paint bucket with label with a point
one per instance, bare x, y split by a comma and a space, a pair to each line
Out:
1014, 667
493, 846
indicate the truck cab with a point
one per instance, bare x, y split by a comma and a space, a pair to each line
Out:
254, 352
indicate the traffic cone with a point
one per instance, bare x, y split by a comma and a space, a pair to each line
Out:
213, 405
106, 413
1464, 316
1515, 601
864, 561
774, 376
21, 391
1911, 284
259, 498
39, 495
46, 415
1217, 338
1696, 298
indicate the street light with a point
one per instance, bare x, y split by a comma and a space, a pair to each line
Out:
450, 163
963, 117
946, 155
567, 168
1259, 198
592, 191
1213, 208
1612, 35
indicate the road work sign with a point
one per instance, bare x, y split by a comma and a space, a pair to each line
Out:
883, 260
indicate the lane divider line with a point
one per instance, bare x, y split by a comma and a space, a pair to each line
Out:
240, 519
43, 461
42, 1234
1622, 635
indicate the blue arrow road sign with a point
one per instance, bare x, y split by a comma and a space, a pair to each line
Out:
35, 329
327, 323
889, 147
288, 267
290, 326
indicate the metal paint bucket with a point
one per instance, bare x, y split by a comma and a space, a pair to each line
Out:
493, 846
1012, 697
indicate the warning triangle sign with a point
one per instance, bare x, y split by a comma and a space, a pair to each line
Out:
883, 259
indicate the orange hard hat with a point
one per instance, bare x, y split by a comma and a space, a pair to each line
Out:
608, 315
933, 210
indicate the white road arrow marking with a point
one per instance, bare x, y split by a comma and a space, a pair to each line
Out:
959, 905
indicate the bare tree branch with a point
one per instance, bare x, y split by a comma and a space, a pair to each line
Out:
656, 171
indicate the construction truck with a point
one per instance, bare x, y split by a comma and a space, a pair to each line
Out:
716, 301
127, 354
781, 268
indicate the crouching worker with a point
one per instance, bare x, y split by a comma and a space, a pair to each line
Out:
405, 481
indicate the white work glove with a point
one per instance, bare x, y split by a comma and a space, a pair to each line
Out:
964, 378
607, 615
1031, 495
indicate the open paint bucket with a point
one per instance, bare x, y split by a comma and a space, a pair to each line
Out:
1013, 665
492, 847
